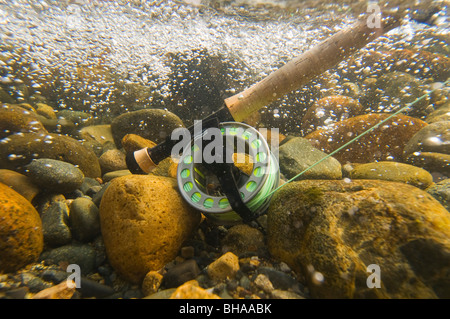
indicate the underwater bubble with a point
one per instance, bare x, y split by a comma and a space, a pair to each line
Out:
317, 278
13, 157
433, 141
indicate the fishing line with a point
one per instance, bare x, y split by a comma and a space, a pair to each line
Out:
355, 139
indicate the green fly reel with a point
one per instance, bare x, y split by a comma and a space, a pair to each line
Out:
207, 190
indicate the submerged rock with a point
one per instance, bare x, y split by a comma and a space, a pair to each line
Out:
53, 175
83, 255
20, 149
112, 160
441, 191
152, 124
191, 290
434, 138
84, 220
180, 273
15, 119
242, 239
100, 133
328, 110
385, 142
45, 110
20, 183
418, 63
144, 222
297, 154
55, 223
394, 90
393, 171
226, 266
429, 148
20, 231
133, 142
432, 162
442, 113
79, 118
331, 231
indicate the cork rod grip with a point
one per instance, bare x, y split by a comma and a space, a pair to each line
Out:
307, 66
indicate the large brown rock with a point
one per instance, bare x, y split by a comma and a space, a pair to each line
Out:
20, 183
21, 149
328, 110
21, 237
331, 231
144, 222
16, 119
152, 124
385, 142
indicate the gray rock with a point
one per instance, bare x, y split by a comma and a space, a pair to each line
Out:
112, 160
279, 279
17, 293
441, 191
89, 288
55, 224
34, 284
297, 155
54, 276
84, 219
82, 255
93, 190
54, 175
88, 182
245, 282
98, 196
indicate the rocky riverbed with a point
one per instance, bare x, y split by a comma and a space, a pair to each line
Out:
68, 198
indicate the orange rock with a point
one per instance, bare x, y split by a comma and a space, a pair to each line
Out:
20, 231
15, 119
60, 291
386, 142
226, 266
144, 223
20, 183
133, 142
191, 290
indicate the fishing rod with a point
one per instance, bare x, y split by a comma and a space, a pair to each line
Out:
243, 196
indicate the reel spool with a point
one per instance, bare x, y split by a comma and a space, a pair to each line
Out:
201, 188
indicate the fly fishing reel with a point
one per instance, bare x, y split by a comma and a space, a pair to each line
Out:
234, 186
